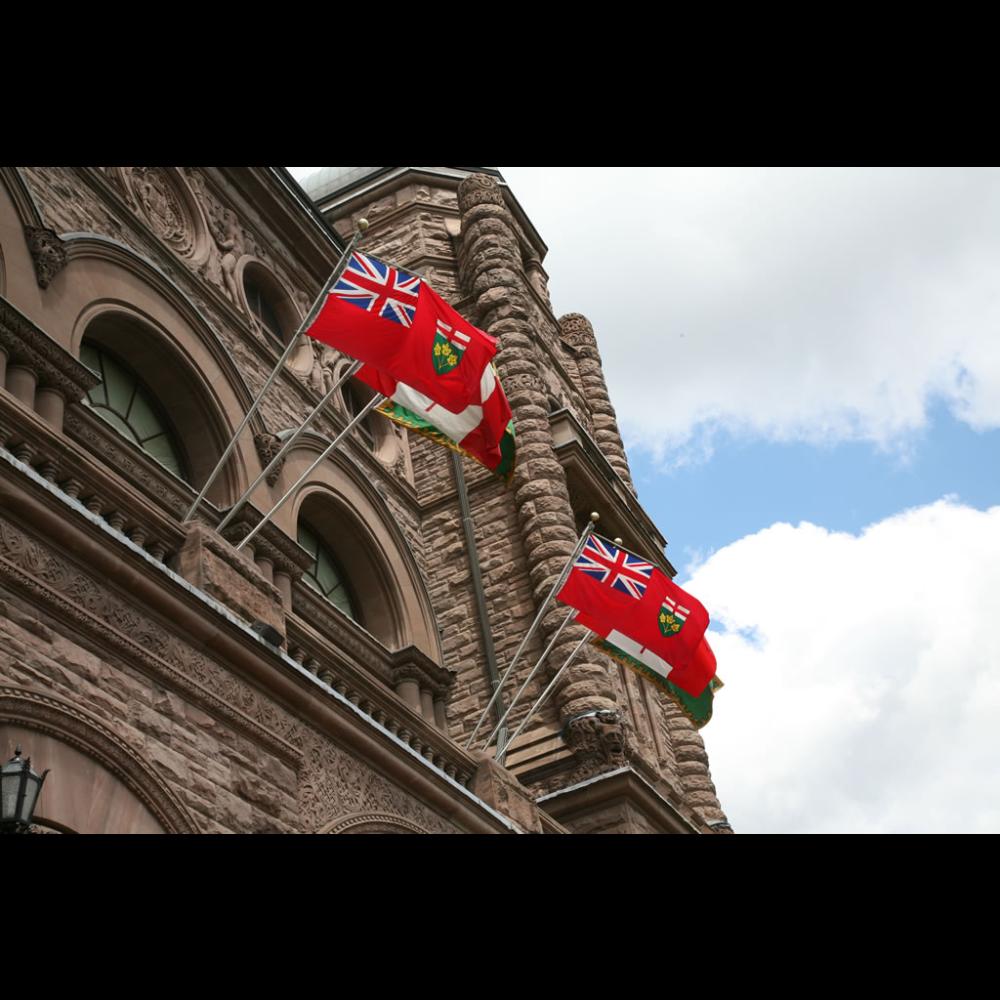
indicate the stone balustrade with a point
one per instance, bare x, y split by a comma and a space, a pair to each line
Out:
403, 691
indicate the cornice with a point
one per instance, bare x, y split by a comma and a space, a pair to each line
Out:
25, 343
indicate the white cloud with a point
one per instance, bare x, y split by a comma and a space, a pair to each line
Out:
871, 698
794, 304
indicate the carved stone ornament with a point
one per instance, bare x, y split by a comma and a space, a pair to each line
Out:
372, 823
268, 445
161, 203
336, 788
598, 743
48, 253
577, 330
478, 189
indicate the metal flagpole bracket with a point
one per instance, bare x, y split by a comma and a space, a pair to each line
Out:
292, 344
591, 524
534, 670
363, 412
502, 753
288, 445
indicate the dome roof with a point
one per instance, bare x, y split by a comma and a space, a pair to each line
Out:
326, 180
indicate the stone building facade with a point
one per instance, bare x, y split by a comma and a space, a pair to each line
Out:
141, 309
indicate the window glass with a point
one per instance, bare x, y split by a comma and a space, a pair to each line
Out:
262, 308
127, 405
326, 575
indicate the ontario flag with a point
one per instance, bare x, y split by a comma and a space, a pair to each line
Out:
635, 607
484, 431
395, 322
433, 366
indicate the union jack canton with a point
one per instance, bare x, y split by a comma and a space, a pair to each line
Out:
378, 288
601, 560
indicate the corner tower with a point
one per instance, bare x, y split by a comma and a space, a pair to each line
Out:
608, 752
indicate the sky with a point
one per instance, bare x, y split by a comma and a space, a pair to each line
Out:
805, 365
806, 369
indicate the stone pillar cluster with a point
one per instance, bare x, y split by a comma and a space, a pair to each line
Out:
577, 331
37, 371
424, 686
490, 270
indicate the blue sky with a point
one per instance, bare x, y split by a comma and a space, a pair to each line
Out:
843, 486
806, 368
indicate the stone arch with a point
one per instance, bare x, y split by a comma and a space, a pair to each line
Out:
279, 295
350, 515
373, 822
105, 788
160, 362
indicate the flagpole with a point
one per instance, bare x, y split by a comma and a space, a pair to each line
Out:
534, 670
594, 518
373, 402
288, 445
502, 754
292, 344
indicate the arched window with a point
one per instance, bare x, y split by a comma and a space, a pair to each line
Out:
326, 574
262, 309
124, 402
269, 302
356, 395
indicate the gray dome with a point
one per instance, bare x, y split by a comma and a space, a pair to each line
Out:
326, 180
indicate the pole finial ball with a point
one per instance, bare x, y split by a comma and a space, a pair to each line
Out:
362, 224
595, 517
618, 541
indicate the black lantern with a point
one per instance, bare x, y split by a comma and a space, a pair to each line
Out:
19, 788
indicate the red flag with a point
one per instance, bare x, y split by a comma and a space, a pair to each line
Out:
636, 606
483, 431
397, 323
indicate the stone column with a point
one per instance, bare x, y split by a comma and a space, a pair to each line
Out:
266, 567
427, 705
21, 384
284, 584
409, 690
440, 718
490, 266
51, 406
692, 764
578, 332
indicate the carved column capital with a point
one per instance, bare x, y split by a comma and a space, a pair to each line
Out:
478, 189
578, 332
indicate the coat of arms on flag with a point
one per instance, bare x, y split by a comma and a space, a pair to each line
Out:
449, 346
672, 617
